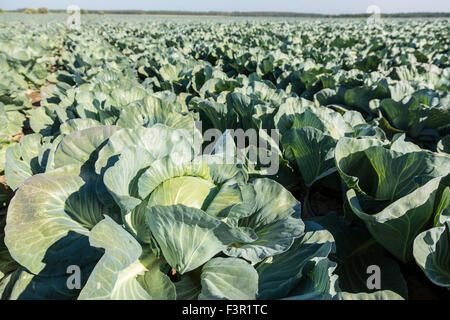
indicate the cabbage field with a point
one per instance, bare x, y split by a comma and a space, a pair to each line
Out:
205, 158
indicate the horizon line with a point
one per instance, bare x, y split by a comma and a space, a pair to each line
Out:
189, 12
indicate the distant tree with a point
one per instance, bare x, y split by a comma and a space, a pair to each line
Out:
1, 11
30, 10
43, 10
84, 11
101, 12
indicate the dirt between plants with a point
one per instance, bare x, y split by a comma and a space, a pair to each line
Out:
322, 205
35, 96
4, 189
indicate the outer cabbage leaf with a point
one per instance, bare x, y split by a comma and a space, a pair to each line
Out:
166, 139
121, 274
228, 279
63, 207
395, 210
22, 160
431, 252
378, 295
82, 146
280, 274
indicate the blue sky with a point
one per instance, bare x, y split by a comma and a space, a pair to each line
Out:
317, 6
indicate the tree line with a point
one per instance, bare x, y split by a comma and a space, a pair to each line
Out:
44, 10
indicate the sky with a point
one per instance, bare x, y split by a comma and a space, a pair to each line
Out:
306, 6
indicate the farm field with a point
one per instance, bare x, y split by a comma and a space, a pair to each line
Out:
149, 157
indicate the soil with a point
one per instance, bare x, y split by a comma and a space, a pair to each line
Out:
35, 97
322, 204
4, 189
317, 202
18, 136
